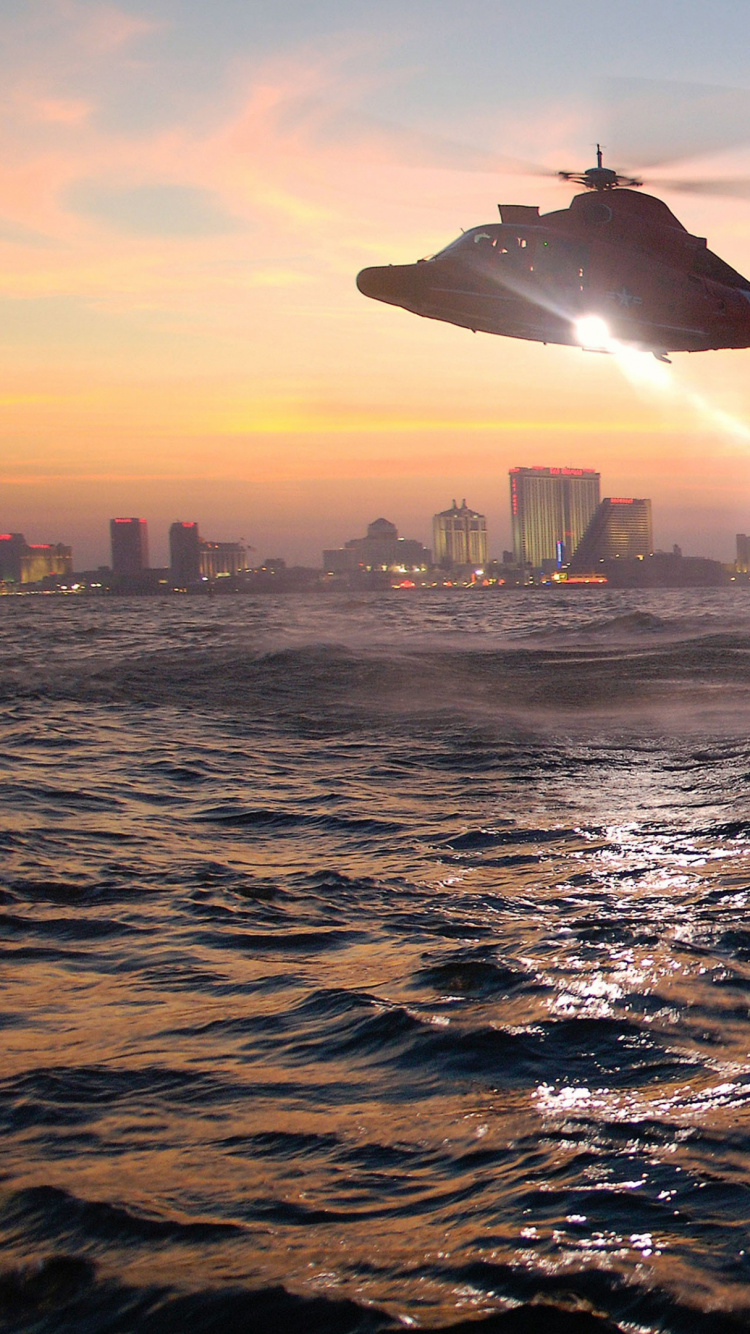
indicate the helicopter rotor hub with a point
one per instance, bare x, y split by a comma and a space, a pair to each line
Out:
599, 177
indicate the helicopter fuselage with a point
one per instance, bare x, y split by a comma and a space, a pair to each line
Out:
617, 257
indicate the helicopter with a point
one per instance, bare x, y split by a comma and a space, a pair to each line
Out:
614, 268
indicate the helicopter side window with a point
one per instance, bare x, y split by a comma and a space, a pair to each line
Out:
562, 263
513, 249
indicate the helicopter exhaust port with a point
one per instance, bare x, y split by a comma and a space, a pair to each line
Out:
592, 332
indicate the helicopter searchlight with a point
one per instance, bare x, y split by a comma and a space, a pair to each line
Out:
592, 332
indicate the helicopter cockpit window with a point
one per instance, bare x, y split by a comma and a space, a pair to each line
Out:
510, 248
479, 238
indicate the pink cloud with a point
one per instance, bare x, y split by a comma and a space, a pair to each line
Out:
104, 27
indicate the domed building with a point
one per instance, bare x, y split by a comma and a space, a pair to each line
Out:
381, 530
380, 550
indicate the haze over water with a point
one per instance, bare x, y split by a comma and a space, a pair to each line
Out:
374, 960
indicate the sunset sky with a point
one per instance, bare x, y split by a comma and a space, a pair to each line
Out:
188, 189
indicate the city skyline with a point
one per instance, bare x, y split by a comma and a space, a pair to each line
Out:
279, 529
186, 548
500, 536
185, 205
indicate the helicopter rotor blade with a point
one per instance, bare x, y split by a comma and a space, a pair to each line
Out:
426, 149
678, 121
732, 188
412, 146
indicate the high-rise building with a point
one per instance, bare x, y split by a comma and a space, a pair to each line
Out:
129, 547
620, 530
459, 537
12, 550
742, 564
184, 554
550, 509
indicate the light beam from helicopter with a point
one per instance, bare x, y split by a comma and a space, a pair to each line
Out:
644, 372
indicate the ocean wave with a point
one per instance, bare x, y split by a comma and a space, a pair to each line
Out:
694, 683
64, 1293
47, 1213
382, 965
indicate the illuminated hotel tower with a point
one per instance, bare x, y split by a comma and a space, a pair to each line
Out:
620, 530
459, 537
129, 547
551, 508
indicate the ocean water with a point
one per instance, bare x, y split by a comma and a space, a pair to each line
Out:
376, 962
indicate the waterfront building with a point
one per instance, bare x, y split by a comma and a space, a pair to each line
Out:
664, 569
551, 509
619, 530
184, 554
380, 550
459, 537
23, 562
219, 560
45, 560
129, 539
742, 564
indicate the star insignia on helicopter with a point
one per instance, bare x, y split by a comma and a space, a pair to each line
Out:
625, 297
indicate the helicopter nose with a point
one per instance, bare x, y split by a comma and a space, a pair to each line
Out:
375, 283
396, 283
